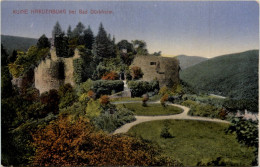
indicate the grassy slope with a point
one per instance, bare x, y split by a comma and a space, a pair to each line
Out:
195, 140
152, 109
18, 43
234, 75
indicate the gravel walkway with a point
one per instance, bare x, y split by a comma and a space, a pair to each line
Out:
184, 115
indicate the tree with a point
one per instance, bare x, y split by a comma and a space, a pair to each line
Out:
136, 72
140, 47
157, 53
67, 143
13, 57
69, 32
43, 42
145, 99
61, 44
56, 30
4, 56
110, 76
103, 47
164, 99
78, 30
88, 38
125, 45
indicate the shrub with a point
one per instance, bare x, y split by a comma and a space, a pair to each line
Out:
138, 88
93, 108
246, 130
164, 99
51, 100
145, 99
65, 143
104, 100
136, 72
204, 110
84, 87
105, 87
165, 132
110, 122
110, 76
67, 96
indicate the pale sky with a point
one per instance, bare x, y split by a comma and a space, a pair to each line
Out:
202, 28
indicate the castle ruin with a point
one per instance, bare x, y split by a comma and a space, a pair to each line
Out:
55, 71
164, 69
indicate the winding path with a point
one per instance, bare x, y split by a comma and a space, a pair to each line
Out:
184, 115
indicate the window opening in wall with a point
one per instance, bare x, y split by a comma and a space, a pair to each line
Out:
152, 63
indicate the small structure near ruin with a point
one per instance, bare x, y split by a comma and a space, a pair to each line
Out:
164, 69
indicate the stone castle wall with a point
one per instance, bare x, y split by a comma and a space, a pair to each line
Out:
164, 69
47, 73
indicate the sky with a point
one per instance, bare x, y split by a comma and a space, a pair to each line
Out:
205, 28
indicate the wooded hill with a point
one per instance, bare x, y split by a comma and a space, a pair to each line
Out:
17, 43
234, 75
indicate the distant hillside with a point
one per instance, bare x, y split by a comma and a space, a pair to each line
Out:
188, 61
234, 75
19, 43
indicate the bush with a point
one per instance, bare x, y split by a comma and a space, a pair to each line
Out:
110, 76
204, 110
65, 143
145, 99
136, 72
105, 87
84, 87
164, 99
165, 132
138, 88
67, 96
104, 100
110, 122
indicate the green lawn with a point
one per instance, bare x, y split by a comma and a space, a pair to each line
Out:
126, 99
196, 141
152, 109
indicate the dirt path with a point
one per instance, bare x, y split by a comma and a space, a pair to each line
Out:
183, 115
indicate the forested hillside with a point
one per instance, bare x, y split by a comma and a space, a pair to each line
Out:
234, 75
17, 43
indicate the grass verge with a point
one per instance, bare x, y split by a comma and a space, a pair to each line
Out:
152, 109
196, 141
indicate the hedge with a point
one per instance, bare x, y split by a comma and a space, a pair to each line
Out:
105, 87
138, 88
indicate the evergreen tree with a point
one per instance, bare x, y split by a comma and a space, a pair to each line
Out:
78, 30
88, 38
43, 42
4, 56
12, 57
103, 47
69, 32
56, 30
61, 44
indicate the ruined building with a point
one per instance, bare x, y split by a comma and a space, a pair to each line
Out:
55, 71
164, 69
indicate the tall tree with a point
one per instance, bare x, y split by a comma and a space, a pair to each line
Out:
4, 56
69, 32
103, 47
56, 30
12, 57
88, 38
61, 44
43, 42
78, 30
